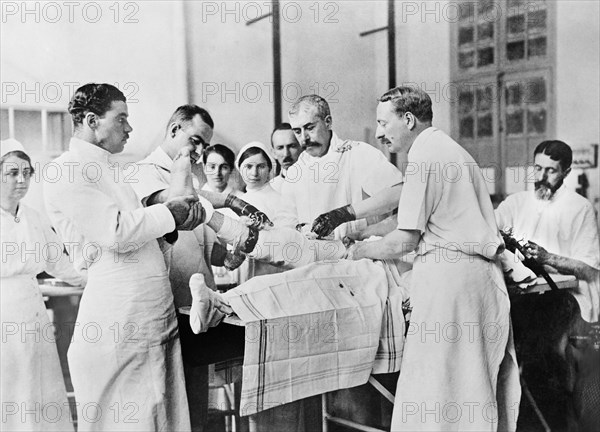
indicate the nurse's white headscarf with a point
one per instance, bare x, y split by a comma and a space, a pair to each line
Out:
264, 148
10, 145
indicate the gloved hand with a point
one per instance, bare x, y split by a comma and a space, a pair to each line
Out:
258, 219
327, 222
233, 260
196, 216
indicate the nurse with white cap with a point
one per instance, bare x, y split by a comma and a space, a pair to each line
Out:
256, 165
33, 391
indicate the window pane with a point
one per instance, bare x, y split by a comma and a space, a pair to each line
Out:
537, 47
484, 125
4, 124
536, 20
59, 131
28, 129
485, 31
536, 91
485, 57
515, 24
515, 50
465, 35
514, 122
465, 102
466, 127
466, 59
485, 5
513, 94
467, 10
536, 121
484, 99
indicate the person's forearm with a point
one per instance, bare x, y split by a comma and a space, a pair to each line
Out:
394, 245
381, 228
571, 266
216, 199
380, 203
216, 221
159, 197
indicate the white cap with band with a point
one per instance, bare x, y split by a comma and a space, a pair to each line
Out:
10, 145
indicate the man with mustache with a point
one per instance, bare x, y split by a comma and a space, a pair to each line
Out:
335, 176
562, 233
447, 218
559, 224
286, 149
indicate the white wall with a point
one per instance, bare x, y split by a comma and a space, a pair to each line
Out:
45, 61
321, 53
578, 82
423, 52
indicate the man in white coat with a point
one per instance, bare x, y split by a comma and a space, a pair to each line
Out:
125, 361
190, 128
458, 369
353, 176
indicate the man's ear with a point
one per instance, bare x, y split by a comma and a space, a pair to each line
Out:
411, 120
567, 171
173, 128
328, 121
91, 119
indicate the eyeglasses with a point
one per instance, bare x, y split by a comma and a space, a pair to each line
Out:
195, 139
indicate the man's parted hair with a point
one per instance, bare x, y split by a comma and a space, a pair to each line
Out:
186, 113
558, 151
409, 99
280, 127
314, 100
95, 98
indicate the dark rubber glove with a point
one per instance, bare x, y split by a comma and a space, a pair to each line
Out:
327, 222
242, 208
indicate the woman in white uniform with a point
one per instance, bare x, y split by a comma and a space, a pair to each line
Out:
34, 397
256, 165
219, 161
218, 166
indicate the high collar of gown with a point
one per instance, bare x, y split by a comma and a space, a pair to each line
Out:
89, 150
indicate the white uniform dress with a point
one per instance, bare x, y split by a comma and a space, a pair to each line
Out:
565, 225
277, 182
125, 357
350, 171
459, 371
33, 392
271, 203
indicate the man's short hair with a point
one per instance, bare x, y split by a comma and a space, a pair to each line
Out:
314, 100
280, 127
95, 98
186, 113
558, 151
409, 99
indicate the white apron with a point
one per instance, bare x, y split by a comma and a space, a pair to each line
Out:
34, 397
33, 392
460, 314
125, 357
